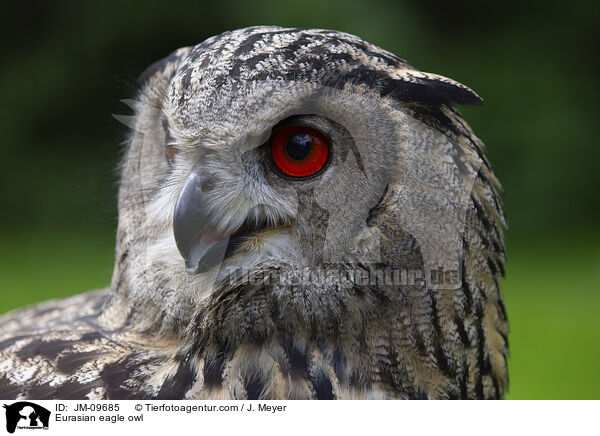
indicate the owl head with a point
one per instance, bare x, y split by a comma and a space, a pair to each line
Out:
290, 171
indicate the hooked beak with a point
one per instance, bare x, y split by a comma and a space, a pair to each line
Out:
201, 244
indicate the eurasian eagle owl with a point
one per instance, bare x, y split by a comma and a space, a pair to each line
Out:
301, 215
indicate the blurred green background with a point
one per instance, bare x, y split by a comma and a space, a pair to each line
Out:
65, 65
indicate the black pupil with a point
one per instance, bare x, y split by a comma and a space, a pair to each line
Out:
298, 147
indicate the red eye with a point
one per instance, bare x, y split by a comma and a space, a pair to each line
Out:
299, 151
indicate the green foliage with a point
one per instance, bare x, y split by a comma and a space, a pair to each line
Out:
552, 300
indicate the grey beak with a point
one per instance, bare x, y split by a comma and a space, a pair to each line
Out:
201, 245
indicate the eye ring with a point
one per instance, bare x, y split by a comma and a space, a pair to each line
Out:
299, 152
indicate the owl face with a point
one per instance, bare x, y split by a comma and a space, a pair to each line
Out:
267, 150
288, 169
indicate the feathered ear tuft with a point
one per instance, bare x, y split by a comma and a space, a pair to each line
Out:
407, 85
423, 87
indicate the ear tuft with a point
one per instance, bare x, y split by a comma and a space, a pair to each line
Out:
433, 88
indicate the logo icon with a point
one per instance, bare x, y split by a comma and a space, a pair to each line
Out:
26, 415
